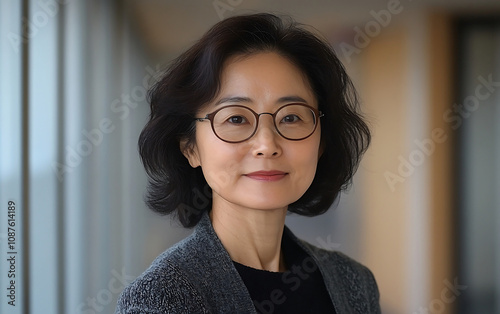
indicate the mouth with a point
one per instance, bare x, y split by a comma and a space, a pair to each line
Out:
273, 175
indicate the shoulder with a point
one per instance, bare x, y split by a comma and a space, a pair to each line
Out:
352, 284
355, 283
194, 276
165, 287
357, 272
350, 267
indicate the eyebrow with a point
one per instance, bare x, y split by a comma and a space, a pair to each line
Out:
238, 99
233, 100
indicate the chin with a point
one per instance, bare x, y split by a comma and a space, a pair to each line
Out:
267, 205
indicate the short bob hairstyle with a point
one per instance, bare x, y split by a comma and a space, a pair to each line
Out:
193, 80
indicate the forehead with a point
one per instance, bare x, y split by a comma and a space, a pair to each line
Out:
266, 73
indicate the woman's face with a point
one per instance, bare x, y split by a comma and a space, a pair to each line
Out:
266, 171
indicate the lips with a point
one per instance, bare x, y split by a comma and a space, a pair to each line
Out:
273, 175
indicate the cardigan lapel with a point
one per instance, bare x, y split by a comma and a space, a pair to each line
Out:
342, 277
210, 266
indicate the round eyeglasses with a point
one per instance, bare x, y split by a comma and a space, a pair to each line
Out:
235, 123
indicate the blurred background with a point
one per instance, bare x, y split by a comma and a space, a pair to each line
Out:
424, 210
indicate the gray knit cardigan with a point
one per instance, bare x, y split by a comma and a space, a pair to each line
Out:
198, 276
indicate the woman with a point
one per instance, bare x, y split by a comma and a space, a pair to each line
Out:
257, 119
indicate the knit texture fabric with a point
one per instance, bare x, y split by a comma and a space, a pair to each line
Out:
197, 275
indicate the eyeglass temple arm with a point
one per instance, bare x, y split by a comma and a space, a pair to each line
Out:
202, 119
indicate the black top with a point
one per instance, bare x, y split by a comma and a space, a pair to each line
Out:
197, 275
300, 289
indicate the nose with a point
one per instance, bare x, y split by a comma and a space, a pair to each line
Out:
266, 140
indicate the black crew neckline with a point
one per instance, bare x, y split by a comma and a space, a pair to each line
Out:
299, 289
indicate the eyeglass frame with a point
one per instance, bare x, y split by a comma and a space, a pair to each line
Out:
210, 116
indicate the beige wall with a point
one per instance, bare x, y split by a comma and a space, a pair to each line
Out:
408, 231
384, 91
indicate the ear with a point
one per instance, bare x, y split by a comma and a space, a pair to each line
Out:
190, 152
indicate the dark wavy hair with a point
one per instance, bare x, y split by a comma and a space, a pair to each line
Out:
193, 80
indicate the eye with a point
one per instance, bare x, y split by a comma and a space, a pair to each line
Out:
291, 118
237, 120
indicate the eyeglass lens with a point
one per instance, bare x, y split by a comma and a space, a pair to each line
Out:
235, 123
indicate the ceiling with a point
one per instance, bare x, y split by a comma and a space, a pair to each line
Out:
169, 26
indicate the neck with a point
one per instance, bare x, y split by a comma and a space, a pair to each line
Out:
251, 237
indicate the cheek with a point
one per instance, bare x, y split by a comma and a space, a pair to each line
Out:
220, 163
220, 173
307, 157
